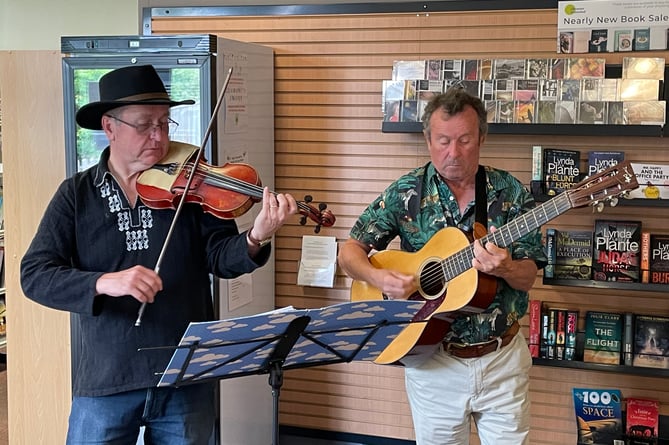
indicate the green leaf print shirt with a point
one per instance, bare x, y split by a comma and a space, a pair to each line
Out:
419, 204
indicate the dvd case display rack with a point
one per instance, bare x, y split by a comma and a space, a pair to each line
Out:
390, 125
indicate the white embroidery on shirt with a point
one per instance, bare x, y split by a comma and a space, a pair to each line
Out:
133, 222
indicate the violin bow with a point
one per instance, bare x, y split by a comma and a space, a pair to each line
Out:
196, 162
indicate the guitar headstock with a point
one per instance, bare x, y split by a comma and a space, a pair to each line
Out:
604, 187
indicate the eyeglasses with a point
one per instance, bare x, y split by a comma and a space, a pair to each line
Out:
145, 129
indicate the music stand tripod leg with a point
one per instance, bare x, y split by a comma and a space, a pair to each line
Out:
275, 365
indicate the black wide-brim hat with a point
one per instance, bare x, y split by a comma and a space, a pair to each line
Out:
131, 85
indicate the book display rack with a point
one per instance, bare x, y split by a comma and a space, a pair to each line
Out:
575, 129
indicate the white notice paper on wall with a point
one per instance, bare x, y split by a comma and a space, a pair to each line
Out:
319, 261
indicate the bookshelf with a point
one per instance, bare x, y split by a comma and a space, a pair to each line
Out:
544, 129
645, 287
620, 369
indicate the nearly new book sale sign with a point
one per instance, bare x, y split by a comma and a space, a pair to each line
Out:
612, 26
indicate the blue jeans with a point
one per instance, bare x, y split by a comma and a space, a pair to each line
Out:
171, 416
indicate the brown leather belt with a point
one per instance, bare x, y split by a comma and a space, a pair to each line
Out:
481, 349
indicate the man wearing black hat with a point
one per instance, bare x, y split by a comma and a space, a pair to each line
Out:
94, 256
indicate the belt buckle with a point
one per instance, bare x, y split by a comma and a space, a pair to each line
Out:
452, 345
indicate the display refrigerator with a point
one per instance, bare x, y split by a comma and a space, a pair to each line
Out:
195, 67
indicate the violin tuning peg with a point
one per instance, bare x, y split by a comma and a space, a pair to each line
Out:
308, 198
322, 206
303, 220
317, 229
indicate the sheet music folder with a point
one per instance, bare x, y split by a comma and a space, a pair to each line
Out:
247, 345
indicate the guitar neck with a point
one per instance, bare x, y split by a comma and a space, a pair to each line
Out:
504, 236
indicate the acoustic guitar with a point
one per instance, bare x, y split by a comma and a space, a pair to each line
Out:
446, 280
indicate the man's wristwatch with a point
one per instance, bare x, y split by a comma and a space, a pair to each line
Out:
256, 242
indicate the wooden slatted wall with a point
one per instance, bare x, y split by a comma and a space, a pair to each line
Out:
328, 73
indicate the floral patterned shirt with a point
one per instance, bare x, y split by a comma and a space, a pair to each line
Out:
419, 204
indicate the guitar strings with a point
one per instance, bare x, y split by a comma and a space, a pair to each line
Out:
461, 261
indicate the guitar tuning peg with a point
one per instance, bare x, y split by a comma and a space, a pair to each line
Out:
613, 201
598, 207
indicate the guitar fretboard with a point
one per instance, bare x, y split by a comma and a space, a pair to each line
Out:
461, 261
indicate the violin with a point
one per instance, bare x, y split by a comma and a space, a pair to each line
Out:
227, 191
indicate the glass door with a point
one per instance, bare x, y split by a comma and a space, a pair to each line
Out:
184, 78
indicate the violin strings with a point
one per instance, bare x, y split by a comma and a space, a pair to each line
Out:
240, 186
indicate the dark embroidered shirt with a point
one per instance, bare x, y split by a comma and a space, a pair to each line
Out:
419, 204
89, 229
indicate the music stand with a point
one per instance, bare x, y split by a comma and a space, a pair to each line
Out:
272, 342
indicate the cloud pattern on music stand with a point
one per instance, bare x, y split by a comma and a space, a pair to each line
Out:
241, 346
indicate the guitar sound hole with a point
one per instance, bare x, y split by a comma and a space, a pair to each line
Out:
432, 280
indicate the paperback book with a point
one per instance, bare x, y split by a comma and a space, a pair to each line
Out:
573, 254
603, 337
598, 40
571, 332
534, 315
549, 247
551, 335
598, 416
628, 339
643, 421
601, 160
560, 169
651, 341
616, 251
645, 256
653, 181
658, 258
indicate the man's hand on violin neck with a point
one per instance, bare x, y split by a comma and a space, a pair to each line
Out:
276, 209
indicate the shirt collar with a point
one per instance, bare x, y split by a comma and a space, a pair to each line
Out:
102, 169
